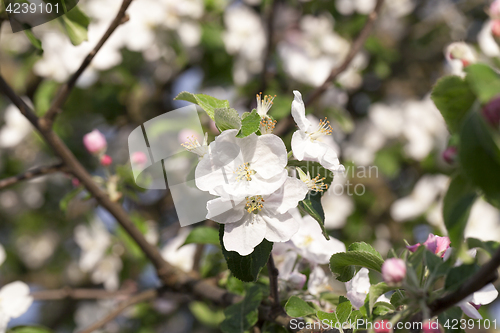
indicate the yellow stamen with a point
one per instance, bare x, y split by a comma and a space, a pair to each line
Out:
254, 204
324, 128
243, 172
264, 104
267, 125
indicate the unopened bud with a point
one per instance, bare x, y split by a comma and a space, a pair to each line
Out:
462, 52
95, 142
393, 270
382, 326
431, 326
491, 112
495, 28
106, 160
450, 154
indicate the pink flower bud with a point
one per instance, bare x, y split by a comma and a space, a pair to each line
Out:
494, 10
75, 182
139, 158
437, 244
462, 52
491, 112
106, 160
393, 270
413, 248
495, 28
297, 280
450, 154
95, 142
382, 326
431, 326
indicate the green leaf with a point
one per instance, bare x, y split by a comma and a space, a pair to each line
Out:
488, 246
29, 329
343, 311
359, 254
33, 40
453, 98
43, 96
227, 118
480, 157
207, 103
456, 208
483, 81
377, 290
202, 235
206, 315
398, 298
448, 316
355, 315
436, 266
243, 315
296, 307
246, 268
458, 275
76, 24
312, 205
63, 204
330, 318
382, 308
250, 123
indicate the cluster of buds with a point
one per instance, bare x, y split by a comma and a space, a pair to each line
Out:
96, 144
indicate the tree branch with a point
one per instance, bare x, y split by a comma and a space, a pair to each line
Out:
64, 293
141, 297
63, 93
33, 173
273, 281
287, 123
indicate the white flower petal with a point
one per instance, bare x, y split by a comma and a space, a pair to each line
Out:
270, 157
4, 321
486, 295
223, 210
299, 144
257, 186
470, 310
287, 197
358, 288
15, 299
281, 227
243, 236
299, 112
2, 254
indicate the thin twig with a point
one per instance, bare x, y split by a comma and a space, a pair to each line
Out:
63, 93
33, 173
141, 297
64, 293
287, 124
273, 281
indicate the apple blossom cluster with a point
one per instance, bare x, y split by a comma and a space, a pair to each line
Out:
256, 188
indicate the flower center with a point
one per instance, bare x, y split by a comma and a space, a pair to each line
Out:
308, 240
324, 128
254, 204
314, 184
194, 146
243, 172
264, 104
267, 125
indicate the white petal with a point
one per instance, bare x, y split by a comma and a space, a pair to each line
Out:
17, 295
4, 321
299, 112
358, 288
486, 295
244, 235
281, 227
270, 157
225, 210
299, 144
470, 310
256, 186
287, 197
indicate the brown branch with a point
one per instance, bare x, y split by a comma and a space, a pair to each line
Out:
287, 123
63, 93
64, 293
33, 173
273, 281
486, 274
141, 297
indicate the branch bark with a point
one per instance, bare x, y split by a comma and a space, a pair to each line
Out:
33, 173
64, 293
63, 93
287, 123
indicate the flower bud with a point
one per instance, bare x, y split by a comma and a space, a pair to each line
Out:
431, 326
437, 244
450, 154
382, 326
297, 280
491, 112
106, 160
95, 142
494, 10
138, 158
495, 28
460, 51
393, 270
75, 182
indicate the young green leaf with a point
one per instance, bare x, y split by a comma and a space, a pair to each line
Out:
296, 307
312, 206
343, 264
343, 311
246, 268
488, 246
377, 290
243, 315
250, 123
227, 118
453, 98
33, 40
458, 275
202, 235
483, 80
207, 103
77, 33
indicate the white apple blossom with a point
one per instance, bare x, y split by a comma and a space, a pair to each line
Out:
358, 287
106, 271
459, 55
254, 165
306, 144
15, 300
193, 146
15, 129
248, 221
348, 7
181, 257
94, 241
337, 205
484, 296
